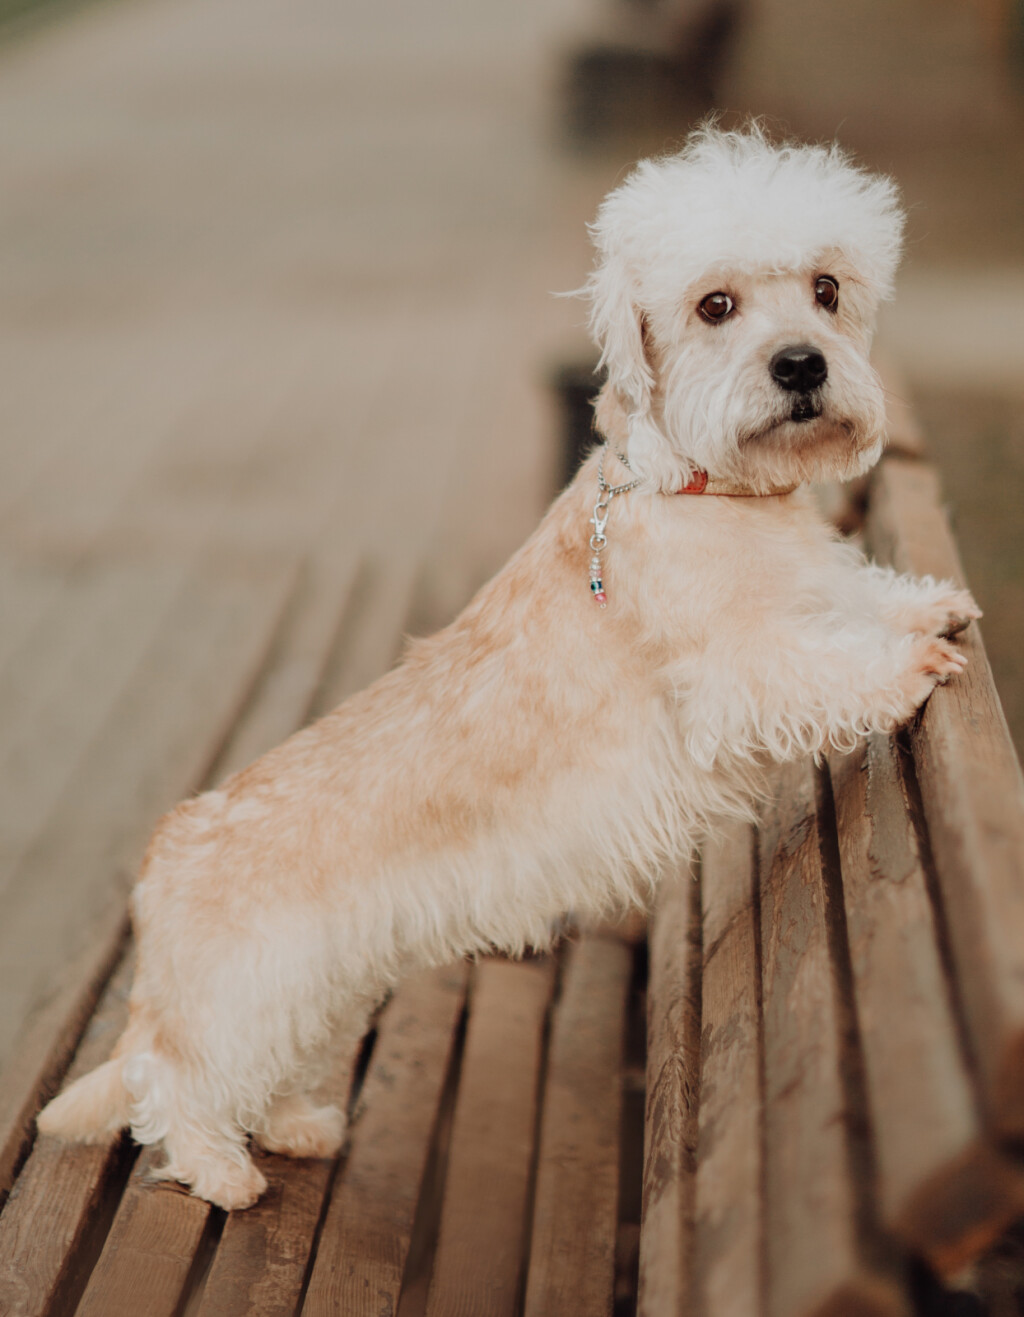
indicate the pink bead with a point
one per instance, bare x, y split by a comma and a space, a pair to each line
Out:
601, 598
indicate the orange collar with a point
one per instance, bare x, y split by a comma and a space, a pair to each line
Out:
702, 483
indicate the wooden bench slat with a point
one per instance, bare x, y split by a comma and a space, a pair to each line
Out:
368, 1225
481, 1245
728, 1232
572, 1254
973, 797
295, 667
670, 1117
941, 1185
379, 609
48, 1043
157, 745
52, 1227
814, 1254
150, 1250
56, 693
155, 751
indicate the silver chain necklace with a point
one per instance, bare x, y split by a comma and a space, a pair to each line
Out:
599, 541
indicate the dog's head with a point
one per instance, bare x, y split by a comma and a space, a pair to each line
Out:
734, 301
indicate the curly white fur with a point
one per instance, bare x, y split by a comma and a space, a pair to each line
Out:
727, 203
541, 755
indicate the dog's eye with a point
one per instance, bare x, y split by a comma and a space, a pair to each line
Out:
716, 306
826, 292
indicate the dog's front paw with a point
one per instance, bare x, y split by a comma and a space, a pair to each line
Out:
945, 615
933, 660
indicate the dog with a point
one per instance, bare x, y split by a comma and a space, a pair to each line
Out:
681, 619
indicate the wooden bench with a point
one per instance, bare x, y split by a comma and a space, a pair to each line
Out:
806, 1086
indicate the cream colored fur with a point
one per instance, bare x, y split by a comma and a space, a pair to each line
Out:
542, 755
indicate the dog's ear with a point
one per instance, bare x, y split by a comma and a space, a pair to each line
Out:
622, 332
619, 329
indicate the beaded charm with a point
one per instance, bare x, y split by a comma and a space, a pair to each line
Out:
596, 584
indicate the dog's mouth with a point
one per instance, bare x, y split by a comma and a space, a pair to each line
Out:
806, 407
805, 410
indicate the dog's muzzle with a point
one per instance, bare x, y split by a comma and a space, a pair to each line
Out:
800, 369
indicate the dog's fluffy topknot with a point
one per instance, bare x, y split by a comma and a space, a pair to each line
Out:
730, 199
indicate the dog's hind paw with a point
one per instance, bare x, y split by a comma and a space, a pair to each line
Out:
295, 1127
230, 1183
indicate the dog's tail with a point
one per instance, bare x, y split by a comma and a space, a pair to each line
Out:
91, 1108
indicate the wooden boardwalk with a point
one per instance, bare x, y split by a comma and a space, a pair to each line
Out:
275, 337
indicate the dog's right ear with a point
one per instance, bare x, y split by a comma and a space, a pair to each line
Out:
619, 330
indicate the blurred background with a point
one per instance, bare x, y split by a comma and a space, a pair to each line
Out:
277, 279
276, 306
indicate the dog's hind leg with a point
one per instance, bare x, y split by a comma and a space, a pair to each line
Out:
174, 1103
295, 1123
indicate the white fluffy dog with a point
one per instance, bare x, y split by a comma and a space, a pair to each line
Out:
622, 682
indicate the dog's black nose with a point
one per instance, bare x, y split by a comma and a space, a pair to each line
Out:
800, 368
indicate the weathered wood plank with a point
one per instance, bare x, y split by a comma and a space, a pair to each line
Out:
48, 1043
572, 1254
482, 1242
729, 1225
941, 1185
815, 1254
670, 1120
150, 1250
64, 915
53, 1226
156, 745
973, 797
379, 609
368, 1226
295, 668
58, 690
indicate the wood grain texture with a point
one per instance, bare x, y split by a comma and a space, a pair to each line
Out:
379, 610
816, 1264
728, 1231
158, 743
368, 1226
670, 1118
941, 1184
572, 1253
973, 798
150, 1250
52, 1228
48, 1042
296, 666
60, 688
482, 1241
